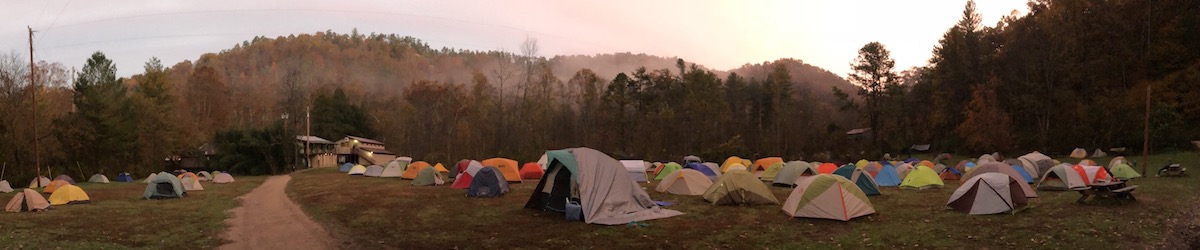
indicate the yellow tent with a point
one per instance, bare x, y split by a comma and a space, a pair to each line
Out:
922, 177
861, 163
54, 186
733, 160
69, 194
508, 167
441, 169
413, 169
762, 164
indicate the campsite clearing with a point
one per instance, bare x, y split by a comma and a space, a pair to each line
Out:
118, 218
358, 207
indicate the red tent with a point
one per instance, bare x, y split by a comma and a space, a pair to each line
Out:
826, 168
531, 171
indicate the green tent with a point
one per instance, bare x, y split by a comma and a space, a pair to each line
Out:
771, 172
426, 177
739, 187
667, 169
164, 186
1124, 171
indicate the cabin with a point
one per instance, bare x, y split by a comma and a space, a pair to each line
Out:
363, 151
320, 151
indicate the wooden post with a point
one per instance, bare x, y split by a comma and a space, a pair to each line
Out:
308, 136
1146, 134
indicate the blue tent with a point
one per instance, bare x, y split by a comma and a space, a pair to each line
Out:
346, 167
1024, 174
703, 169
488, 182
955, 171
860, 178
124, 177
969, 165
887, 176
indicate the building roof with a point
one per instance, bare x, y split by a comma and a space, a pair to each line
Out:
858, 131
363, 140
312, 139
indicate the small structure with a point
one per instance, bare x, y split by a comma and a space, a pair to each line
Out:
320, 152
361, 150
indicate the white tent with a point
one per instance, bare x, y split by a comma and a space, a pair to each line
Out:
988, 193
5, 187
374, 171
393, 170
204, 176
636, 169
357, 170
150, 177
36, 184
223, 178
98, 178
606, 194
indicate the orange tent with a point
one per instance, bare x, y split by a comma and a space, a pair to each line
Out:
762, 164
54, 185
441, 169
531, 171
508, 167
414, 168
827, 168
926, 163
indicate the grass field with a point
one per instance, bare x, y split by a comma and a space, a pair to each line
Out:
118, 218
374, 213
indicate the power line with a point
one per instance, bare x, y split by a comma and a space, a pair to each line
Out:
48, 28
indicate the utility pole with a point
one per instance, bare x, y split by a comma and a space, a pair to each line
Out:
1146, 134
37, 153
307, 136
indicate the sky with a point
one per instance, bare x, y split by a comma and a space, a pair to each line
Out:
718, 34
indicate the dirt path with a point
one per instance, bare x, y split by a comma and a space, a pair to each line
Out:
268, 219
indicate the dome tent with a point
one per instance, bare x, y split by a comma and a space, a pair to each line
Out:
684, 182
606, 194
164, 186
739, 187
988, 193
26, 201
98, 178
827, 196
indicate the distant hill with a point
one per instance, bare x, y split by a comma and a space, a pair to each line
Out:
816, 79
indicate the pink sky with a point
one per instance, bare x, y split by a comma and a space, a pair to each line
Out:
718, 34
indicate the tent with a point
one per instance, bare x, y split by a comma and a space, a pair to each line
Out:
1028, 178
464, 178
792, 170
393, 170
5, 187
716, 169
888, 177
635, 168
950, 174
346, 167
1061, 178
204, 176
873, 168
926, 163
730, 161
66, 178
54, 185
1099, 153
357, 170
430, 176
667, 169
1036, 163
411, 171
1117, 160
599, 185
1124, 171
861, 163
684, 182
999, 167
692, 158
98, 178
488, 182
737, 166
1092, 174
542, 161
739, 187
223, 178
922, 177
534, 171
27, 200
124, 177
708, 172
1088, 162
860, 178
764, 163
441, 170
69, 194
827, 196
771, 172
826, 168
902, 170
462, 165
373, 171
985, 159
1079, 153
507, 167
988, 193
150, 177
190, 182
164, 186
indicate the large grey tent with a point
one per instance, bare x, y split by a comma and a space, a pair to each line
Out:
374, 171
792, 170
604, 191
988, 193
164, 186
428, 176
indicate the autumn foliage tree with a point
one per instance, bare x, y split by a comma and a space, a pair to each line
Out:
987, 126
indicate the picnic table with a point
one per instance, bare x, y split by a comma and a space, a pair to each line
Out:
1116, 190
